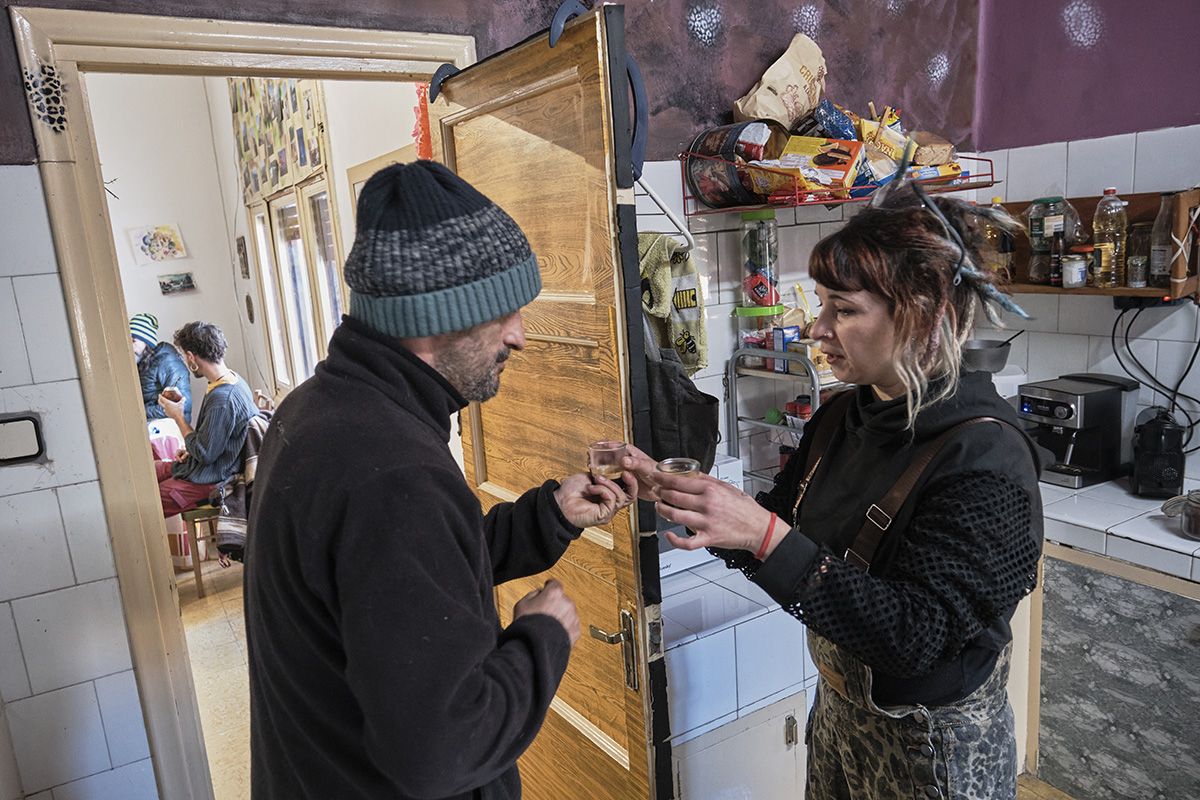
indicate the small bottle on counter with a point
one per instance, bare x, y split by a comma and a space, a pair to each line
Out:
1057, 246
1161, 243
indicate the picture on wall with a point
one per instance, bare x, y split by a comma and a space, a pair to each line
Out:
176, 282
155, 243
243, 261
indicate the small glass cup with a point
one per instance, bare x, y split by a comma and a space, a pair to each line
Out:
604, 459
683, 467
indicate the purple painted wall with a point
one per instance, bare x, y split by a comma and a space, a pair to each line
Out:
1059, 70
698, 56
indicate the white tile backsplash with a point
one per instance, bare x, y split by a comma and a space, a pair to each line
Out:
25, 237
1091, 315
806, 215
131, 782
1042, 307
1172, 323
72, 635
729, 267
58, 736
709, 608
69, 454
87, 532
14, 359
121, 712
1095, 164
1173, 359
48, 337
1055, 354
701, 681
33, 550
1038, 171
795, 246
1167, 159
770, 655
14, 680
1000, 170
1102, 359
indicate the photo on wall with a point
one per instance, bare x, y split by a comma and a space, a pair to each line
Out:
243, 260
155, 243
176, 282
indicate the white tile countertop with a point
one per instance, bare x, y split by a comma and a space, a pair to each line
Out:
1110, 520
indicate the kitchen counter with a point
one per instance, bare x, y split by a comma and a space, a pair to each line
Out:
1109, 520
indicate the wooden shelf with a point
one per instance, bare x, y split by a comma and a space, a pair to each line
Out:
1188, 288
1141, 207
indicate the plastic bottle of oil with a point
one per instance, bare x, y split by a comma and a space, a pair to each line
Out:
1108, 227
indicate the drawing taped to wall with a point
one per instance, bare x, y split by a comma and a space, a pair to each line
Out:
155, 243
176, 283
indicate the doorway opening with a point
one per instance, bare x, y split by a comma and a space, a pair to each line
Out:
84, 50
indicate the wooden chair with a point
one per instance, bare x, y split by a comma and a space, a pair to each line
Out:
200, 515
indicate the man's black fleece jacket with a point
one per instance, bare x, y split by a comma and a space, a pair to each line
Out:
378, 667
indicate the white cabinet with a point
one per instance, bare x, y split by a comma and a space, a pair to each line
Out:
760, 756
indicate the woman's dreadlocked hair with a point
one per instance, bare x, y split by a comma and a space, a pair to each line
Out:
900, 250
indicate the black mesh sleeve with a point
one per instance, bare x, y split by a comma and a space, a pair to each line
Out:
968, 555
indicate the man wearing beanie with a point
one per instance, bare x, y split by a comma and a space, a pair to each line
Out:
378, 666
159, 366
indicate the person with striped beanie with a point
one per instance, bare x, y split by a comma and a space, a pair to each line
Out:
159, 366
379, 668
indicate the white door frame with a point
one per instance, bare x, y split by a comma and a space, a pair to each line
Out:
62, 44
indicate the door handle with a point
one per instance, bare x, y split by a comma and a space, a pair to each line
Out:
604, 636
625, 638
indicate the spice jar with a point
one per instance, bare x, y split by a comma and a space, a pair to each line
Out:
1074, 271
1086, 250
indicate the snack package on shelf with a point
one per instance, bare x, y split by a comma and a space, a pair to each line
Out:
810, 163
932, 150
889, 141
781, 340
833, 121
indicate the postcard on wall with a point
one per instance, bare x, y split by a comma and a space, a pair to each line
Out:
154, 243
176, 282
243, 261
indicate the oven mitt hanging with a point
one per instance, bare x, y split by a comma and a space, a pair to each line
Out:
672, 299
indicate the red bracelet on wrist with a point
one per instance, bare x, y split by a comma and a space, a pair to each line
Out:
762, 550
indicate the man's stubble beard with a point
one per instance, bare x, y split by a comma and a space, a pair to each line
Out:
476, 377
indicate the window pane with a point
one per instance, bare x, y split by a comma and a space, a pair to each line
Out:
293, 275
326, 255
275, 332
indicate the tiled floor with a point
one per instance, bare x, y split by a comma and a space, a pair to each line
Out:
216, 636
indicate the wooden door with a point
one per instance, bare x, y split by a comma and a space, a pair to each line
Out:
533, 129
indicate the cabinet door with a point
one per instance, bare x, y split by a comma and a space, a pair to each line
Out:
760, 756
543, 133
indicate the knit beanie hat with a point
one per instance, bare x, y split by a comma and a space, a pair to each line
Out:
144, 327
432, 255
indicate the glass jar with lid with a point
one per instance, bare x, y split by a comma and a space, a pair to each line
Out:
1137, 255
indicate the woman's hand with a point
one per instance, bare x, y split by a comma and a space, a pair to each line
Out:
587, 500
721, 515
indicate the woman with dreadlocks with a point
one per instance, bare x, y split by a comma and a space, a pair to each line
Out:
907, 526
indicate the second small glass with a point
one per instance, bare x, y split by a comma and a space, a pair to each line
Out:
604, 459
685, 467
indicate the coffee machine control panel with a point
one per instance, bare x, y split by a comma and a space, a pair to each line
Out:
1049, 410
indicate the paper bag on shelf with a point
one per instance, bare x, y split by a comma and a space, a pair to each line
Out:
789, 89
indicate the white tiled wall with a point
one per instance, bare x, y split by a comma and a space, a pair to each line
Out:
71, 727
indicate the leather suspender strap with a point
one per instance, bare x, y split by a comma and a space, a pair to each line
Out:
880, 515
822, 434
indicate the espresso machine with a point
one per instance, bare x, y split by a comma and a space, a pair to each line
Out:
1086, 421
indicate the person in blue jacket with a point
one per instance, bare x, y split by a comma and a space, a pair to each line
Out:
159, 366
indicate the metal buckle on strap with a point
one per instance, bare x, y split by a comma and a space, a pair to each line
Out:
875, 514
855, 559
